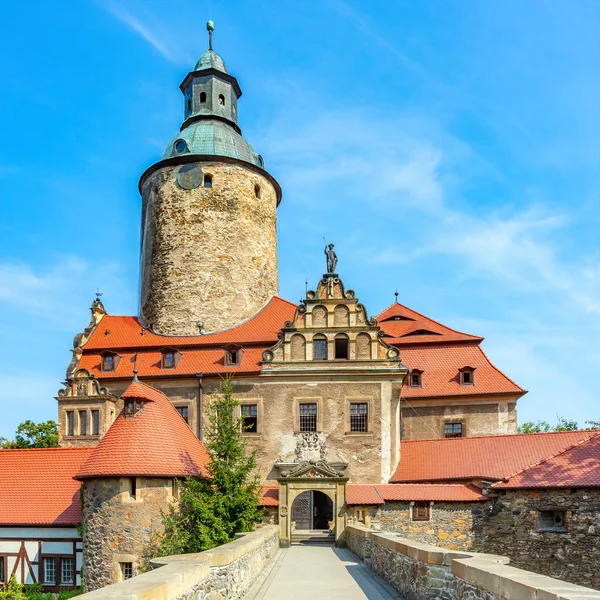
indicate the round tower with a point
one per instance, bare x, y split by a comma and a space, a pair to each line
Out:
209, 212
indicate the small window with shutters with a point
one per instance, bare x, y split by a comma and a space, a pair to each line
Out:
421, 511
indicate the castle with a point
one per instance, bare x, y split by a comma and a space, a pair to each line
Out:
396, 421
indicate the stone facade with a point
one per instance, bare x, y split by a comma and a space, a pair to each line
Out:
117, 527
208, 254
422, 572
425, 419
452, 525
516, 528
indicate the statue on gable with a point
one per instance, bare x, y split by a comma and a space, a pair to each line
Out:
332, 259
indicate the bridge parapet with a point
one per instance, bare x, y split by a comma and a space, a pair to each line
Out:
225, 572
421, 572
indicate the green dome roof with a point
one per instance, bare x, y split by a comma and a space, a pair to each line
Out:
213, 138
210, 60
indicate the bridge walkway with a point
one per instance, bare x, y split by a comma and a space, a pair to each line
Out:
320, 571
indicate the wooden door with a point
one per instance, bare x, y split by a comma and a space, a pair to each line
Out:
302, 511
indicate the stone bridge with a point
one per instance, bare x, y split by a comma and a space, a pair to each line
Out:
374, 566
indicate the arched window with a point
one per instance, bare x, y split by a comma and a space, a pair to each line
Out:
298, 347
202, 97
363, 346
257, 190
342, 346
341, 316
319, 347
208, 181
221, 100
319, 316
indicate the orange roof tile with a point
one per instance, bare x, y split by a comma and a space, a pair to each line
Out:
412, 492
115, 333
489, 457
154, 442
576, 466
404, 326
269, 496
37, 486
440, 366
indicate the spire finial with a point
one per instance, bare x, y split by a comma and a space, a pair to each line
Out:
98, 293
396, 294
210, 27
135, 369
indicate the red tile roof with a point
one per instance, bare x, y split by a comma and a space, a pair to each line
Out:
440, 366
37, 486
270, 496
115, 333
577, 466
154, 442
490, 457
404, 326
412, 492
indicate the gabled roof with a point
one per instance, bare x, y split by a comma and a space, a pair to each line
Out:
155, 442
441, 372
412, 492
404, 326
37, 486
116, 333
576, 466
491, 457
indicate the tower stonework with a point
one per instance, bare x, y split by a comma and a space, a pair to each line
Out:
209, 213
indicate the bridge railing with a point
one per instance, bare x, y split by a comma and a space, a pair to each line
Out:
421, 572
227, 572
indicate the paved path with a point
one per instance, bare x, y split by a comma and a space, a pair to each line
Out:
318, 572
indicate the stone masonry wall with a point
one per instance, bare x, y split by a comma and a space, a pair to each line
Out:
514, 528
422, 572
223, 573
452, 525
208, 254
117, 528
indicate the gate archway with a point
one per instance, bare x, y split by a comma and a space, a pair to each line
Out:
312, 510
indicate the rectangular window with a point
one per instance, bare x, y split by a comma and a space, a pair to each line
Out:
308, 417
359, 414
453, 430
132, 487
126, 570
250, 418
341, 348
555, 520
2, 570
420, 511
49, 571
320, 349
168, 360
184, 412
67, 572
70, 422
95, 422
83, 422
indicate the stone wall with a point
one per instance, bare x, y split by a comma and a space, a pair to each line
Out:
452, 525
514, 528
208, 254
118, 528
223, 573
422, 572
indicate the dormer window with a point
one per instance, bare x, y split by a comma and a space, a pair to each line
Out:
132, 408
415, 378
467, 376
109, 361
233, 356
181, 146
170, 358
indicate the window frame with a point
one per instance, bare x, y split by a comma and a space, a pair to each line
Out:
452, 434
341, 337
249, 405
322, 338
113, 356
70, 423
58, 570
4, 563
82, 422
73, 571
416, 507
180, 408
471, 372
316, 417
552, 528
419, 374
365, 416
95, 421
228, 359
123, 567
207, 181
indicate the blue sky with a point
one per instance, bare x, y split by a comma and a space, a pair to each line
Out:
450, 149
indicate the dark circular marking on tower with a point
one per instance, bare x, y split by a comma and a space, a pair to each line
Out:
189, 176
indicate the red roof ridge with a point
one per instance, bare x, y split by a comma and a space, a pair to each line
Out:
540, 462
62, 448
502, 373
501, 435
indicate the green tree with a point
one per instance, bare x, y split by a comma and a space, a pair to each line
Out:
209, 512
33, 435
13, 591
562, 424
593, 424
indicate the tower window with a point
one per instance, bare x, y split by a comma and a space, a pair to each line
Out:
221, 100
70, 422
83, 422
319, 348
257, 190
202, 97
208, 181
342, 347
260, 161
249, 418
180, 146
95, 422
132, 488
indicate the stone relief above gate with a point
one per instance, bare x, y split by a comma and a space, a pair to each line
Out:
310, 446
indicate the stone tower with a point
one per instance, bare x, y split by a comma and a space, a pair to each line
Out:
209, 211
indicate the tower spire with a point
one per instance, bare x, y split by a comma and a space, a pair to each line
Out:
210, 27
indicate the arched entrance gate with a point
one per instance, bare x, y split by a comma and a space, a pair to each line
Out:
313, 496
